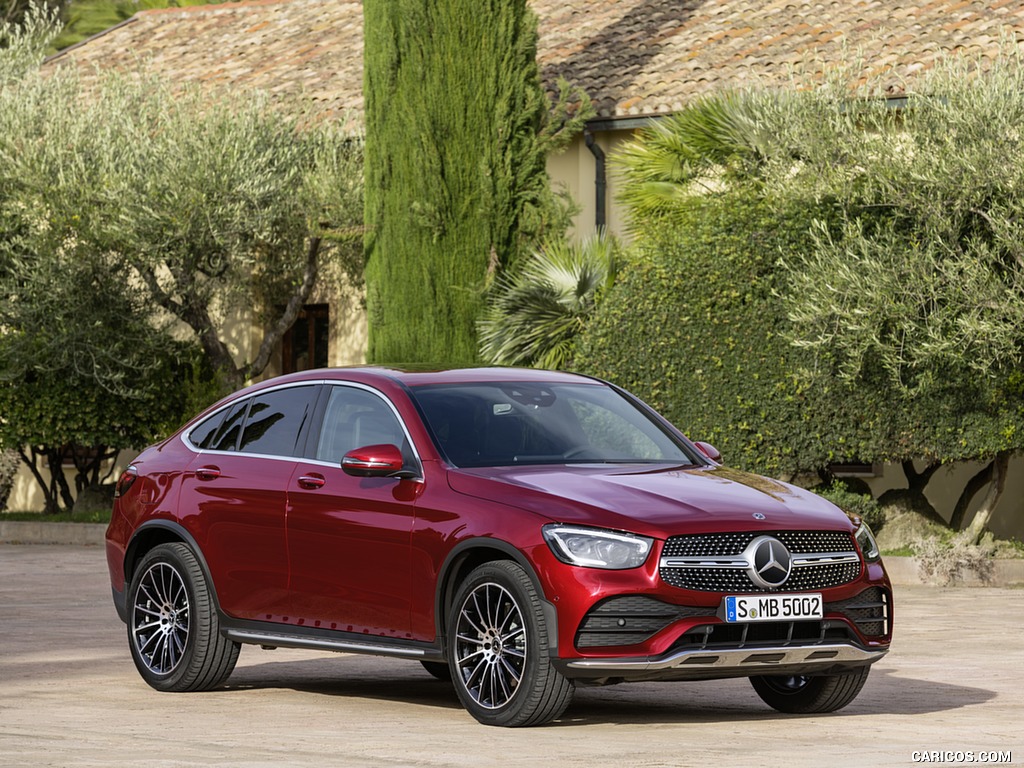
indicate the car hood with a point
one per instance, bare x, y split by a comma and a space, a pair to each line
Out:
659, 502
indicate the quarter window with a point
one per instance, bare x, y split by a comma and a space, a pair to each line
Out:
227, 435
203, 434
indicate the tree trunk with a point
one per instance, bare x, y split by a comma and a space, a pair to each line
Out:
912, 497
975, 484
59, 483
981, 519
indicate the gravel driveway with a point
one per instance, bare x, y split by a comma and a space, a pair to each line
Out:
69, 696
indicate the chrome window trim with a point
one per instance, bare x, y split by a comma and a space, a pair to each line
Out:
318, 462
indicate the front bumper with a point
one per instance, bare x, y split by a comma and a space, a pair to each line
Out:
708, 664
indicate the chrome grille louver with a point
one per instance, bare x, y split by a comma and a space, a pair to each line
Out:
715, 562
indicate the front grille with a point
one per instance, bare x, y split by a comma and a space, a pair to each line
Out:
869, 610
718, 544
707, 578
630, 620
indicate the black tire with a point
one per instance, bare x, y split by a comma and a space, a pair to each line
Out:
810, 695
173, 629
438, 669
498, 650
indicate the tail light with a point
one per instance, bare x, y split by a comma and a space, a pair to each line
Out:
126, 481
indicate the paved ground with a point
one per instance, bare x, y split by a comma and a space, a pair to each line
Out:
69, 696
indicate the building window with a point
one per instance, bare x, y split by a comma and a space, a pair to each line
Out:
304, 345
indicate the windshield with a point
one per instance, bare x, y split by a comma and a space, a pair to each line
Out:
498, 424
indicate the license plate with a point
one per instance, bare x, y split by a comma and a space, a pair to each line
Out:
745, 608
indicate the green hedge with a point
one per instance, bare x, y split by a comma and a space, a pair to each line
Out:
695, 326
692, 326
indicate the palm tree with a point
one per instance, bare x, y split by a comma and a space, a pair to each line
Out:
719, 138
535, 314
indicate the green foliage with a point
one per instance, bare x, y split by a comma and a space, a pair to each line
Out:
695, 327
924, 280
457, 133
720, 138
861, 505
132, 220
536, 314
194, 204
692, 324
85, 18
13, 12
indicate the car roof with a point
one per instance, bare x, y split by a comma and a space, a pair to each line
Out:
421, 375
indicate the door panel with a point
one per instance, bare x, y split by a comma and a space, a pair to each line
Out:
234, 505
348, 537
348, 541
234, 494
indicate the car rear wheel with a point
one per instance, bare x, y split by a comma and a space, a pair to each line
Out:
498, 650
810, 695
173, 629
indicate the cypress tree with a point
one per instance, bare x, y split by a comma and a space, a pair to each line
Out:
456, 183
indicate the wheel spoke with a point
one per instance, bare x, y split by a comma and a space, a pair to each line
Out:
500, 675
514, 633
513, 672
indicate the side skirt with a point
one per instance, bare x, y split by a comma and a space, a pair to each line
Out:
276, 636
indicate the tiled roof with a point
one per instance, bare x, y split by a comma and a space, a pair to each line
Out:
634, 57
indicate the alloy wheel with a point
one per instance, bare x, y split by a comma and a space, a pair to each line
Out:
490, 645
160, 618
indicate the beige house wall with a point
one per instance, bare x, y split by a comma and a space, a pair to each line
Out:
575, 170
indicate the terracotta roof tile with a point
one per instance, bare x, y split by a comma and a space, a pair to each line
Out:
634, 57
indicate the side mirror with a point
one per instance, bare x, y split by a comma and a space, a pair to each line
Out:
375, 461
708, 450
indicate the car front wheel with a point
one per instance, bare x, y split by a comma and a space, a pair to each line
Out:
810, 695
173, 629
498, 650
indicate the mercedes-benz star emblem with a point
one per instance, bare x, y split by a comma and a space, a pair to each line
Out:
770, 562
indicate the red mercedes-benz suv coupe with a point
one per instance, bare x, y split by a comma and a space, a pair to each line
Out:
519, 532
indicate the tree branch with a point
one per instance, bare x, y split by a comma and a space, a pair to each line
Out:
291, 311
162, 297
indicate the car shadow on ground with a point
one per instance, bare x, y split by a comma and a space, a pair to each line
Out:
710, 701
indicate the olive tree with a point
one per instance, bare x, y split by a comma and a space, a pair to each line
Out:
135, 220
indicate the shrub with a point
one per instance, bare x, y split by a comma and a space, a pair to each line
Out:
692, 326
860, 504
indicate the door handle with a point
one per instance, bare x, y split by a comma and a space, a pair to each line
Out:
207, 473
311, 481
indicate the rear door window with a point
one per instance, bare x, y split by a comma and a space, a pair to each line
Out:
275, 421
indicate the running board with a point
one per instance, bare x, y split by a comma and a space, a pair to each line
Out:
281, 640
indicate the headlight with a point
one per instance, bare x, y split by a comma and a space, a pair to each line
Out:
595, 548
867, 543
